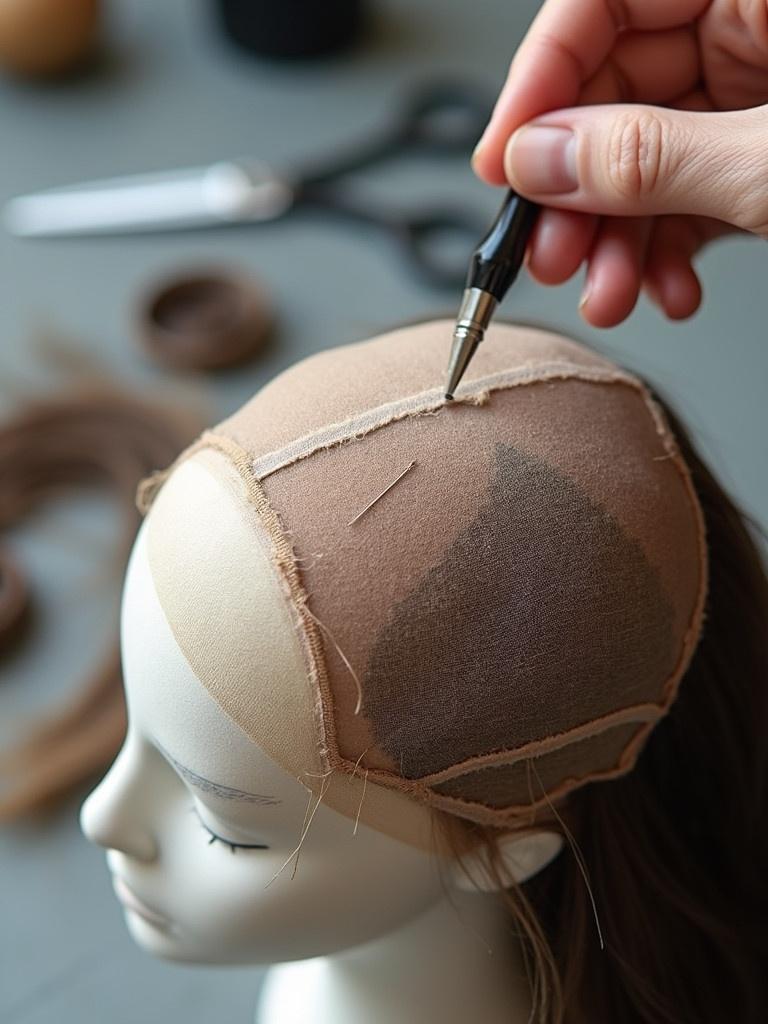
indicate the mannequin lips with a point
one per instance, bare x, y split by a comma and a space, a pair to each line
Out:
129, 900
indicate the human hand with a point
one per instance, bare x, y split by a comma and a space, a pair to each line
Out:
635, 191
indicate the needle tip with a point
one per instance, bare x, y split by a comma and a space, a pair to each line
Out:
464, 345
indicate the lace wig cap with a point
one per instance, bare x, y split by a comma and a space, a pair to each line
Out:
506, 623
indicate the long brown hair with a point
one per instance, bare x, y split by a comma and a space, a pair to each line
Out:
676, 851
102, 436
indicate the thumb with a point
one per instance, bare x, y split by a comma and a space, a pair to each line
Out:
628, 160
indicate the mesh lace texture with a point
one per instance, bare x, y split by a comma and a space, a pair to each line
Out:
531, 592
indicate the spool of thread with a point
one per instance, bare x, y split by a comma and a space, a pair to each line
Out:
291, 29
205, 320
43, 38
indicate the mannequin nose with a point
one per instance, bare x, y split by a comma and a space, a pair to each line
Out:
115, 817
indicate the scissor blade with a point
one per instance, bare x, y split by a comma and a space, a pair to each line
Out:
194, 197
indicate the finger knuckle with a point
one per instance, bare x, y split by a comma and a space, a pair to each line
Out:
747, 200
638, 150
751, 212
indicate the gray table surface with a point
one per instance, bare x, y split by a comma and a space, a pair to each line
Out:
172, 93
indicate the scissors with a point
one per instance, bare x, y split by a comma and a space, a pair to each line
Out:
439, 120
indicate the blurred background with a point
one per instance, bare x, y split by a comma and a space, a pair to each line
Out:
88, 331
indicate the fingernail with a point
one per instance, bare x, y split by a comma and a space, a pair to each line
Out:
585, 295
542, 160
476, 153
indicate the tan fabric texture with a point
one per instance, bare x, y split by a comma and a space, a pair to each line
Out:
204, 555
511, 618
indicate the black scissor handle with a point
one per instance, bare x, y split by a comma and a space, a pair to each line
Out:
436, 244
445, 117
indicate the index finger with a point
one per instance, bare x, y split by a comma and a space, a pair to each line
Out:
565, 45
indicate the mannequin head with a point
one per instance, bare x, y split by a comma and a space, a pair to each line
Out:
299, 743
188, 773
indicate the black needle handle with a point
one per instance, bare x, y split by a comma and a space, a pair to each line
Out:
497, 259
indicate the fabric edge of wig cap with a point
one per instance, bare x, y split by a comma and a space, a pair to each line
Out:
190, 575
230, 441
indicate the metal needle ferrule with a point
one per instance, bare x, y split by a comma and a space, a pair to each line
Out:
477, 308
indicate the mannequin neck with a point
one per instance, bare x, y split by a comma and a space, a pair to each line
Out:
457, 962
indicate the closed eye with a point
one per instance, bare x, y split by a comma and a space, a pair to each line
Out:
214, 838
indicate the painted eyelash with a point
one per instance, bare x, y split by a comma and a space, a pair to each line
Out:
214, 838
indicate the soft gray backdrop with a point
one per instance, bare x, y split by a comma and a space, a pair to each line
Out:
172, 93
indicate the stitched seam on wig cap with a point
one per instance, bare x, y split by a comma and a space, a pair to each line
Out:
286, 564
514, 814
429, 402
695, 626
424, 404
475, 392
640, 713
650, 713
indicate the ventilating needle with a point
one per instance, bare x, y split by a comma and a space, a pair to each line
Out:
493, 267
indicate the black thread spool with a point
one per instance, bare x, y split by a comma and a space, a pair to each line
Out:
291, 29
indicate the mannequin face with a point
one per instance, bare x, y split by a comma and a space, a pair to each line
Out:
187, 773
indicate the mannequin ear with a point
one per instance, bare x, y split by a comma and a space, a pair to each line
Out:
520, 858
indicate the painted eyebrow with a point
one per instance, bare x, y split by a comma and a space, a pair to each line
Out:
218, 788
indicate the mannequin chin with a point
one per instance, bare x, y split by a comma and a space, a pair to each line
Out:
187, 773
